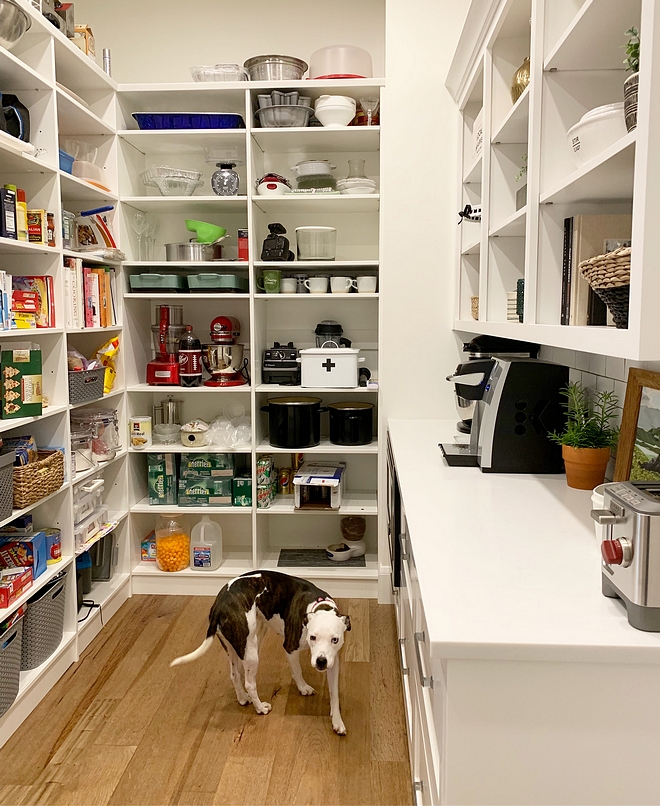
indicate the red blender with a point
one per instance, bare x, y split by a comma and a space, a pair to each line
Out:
166, 333
223, 359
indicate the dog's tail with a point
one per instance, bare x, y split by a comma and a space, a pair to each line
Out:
203, 648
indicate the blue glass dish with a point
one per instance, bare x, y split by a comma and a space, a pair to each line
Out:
189, 120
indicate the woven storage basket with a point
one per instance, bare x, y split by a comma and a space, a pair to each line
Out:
10, 665
609, 276
36, 480
474, 307
43, 625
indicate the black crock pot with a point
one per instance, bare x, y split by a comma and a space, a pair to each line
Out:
351, 423
294, 422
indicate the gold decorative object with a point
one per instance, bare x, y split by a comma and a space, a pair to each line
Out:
520, 80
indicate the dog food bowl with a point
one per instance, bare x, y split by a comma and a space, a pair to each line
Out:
340, 552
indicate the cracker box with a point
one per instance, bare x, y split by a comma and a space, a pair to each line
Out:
148, 548
161, 478
13, 584
20, 366
24, 552
319, 485
242, 492
206, 465
205, 492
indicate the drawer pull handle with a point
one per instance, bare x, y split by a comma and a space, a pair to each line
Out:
404, 549
427, 682
404, 668
418, 788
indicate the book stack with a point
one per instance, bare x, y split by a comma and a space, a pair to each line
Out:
90, 293
27, 302
512, 306
586, 236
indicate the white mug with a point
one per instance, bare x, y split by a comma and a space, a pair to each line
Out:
317, 285
367, 284
342, 285
288, 285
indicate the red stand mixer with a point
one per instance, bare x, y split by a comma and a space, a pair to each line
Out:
223, 359
163, 370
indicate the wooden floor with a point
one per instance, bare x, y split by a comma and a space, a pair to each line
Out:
123, 728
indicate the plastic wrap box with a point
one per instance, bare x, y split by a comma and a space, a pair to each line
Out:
319, 485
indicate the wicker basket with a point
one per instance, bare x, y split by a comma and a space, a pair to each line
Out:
474, 307
36, 480
609, 276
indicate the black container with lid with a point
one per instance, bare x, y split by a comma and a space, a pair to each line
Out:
294, 422
351, 423
329, 333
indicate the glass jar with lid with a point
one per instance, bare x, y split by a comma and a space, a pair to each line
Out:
82, 456
104, 425
315, 175
172, 545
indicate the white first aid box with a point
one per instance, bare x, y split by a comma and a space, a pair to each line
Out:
331, 367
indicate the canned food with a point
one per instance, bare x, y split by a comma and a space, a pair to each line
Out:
263, 496
140, 432
284, 479
264, 470
296, 461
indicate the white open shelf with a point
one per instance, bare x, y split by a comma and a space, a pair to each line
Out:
317, 140
192, 390
514, 225
318, 203
50, 572
144, 506
513, 128
325, 446
188, 205
353, 503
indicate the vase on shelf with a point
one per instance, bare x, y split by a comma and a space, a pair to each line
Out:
520, 80
630, 86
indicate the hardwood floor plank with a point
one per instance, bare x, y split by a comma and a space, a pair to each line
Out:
357, 644
132, 717
244, 782
91, 777
388, 723
391, 783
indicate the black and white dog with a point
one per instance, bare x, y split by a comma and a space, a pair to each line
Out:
304, 615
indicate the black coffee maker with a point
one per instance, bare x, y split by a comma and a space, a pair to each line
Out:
276, 246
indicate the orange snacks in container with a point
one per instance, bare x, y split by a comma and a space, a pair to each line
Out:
172, 545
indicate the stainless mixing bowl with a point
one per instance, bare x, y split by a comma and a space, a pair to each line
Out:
14, 22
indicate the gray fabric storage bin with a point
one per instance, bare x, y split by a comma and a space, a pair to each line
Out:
6, 483
86, 385
10, 665
43, 625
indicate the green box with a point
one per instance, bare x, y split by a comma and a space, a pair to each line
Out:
242, 492
207, 465
205, 492
22, 384
161, 478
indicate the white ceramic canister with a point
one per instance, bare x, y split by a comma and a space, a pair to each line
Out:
140, 433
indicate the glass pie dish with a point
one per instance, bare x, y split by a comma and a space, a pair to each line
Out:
172, 181
219, 72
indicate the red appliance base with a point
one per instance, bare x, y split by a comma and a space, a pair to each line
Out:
239, 382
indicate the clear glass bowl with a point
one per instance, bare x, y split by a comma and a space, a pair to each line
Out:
172, 181
219, 72
283, 115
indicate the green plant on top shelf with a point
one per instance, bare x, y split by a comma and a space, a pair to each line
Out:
632, 50
589, 418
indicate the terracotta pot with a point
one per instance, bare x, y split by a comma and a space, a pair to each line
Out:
585, 467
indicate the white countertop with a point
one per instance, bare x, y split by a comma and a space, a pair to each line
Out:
508, 565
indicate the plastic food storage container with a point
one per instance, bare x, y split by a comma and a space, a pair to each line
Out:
68, 229
105, 432
340, 61
66, 161
219, 72
314, 174
172, 545
316, 243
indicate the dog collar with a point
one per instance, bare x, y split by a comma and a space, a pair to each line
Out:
322, 600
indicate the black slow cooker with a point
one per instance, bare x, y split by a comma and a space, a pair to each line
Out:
294, 422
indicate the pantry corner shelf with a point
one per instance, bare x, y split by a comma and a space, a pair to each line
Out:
12, 246
353, 503
316, 139
182, 297
178, 447
144, 506
186, 390
325, 446
188, 204
318, 203
85, 474
19, 422
513, 226
77, 190
50, 572
513, 129
75, 120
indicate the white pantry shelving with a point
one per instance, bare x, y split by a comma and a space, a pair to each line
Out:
576, 63
69, 96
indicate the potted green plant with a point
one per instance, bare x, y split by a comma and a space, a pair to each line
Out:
631, 83
588, 436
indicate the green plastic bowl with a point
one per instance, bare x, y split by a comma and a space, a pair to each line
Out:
206, 233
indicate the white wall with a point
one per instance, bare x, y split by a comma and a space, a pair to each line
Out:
190, 32
419, 174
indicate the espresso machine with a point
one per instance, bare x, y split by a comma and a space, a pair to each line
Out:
223, 358
163, 370
517, 403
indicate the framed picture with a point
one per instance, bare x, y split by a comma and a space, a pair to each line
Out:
638, 451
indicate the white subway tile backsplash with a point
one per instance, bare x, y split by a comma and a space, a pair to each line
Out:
604, 384
582, 361
565, 357
620, 391
597, 364
589, 380
574, 375
616, 368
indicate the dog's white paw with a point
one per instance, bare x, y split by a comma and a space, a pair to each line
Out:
264, 708
307, 691
243, 701
340, 729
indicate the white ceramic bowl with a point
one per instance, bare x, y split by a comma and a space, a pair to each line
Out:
596, 131
335, 117
272, 189
356, 186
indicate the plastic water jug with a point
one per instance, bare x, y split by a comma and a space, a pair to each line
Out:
206, 545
